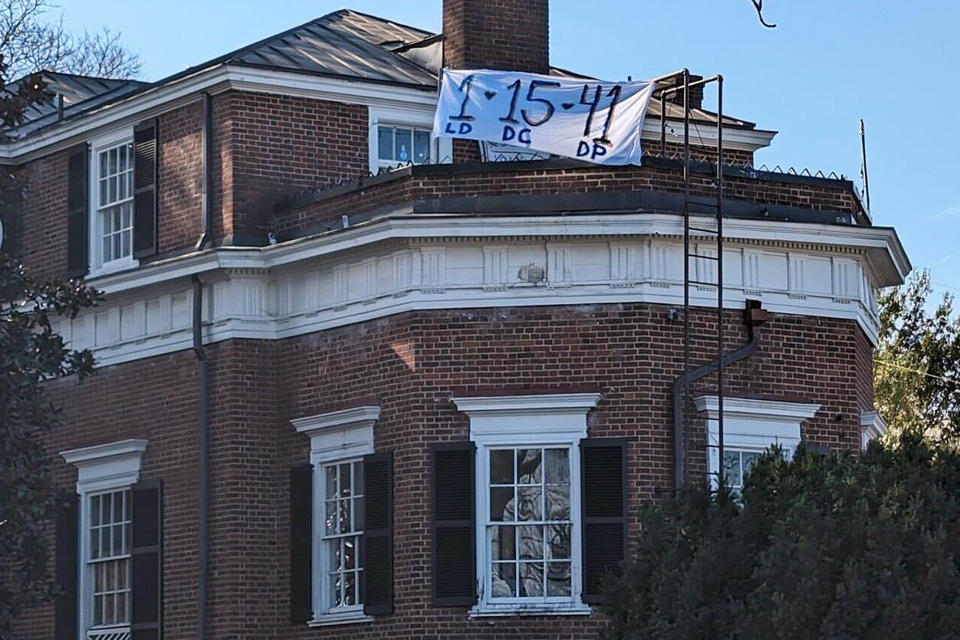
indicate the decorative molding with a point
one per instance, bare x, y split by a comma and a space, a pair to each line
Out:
381, 269
752, 424
531, 418
106, 466
339, 434
872, 426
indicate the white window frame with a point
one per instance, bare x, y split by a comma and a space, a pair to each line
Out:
100, 469
94, 222
335, 437
441, 149
872, 426
752, 425
546, 420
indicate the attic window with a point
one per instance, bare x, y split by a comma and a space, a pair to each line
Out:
402, 145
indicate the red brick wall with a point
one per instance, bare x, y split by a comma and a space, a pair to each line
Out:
271, 146
180, 173
411, 365
496, 34
42, 224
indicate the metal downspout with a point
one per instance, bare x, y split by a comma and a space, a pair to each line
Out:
753, 317
203, 449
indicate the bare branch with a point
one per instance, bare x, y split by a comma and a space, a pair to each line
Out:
758, 5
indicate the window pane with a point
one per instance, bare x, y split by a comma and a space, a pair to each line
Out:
331, 518
558, 502
528, 466
336, 597
557, 466
103, 163
558, 541
331, 481
346, 483
421, 146
501, 467
501, 504
94, 544
531, 542
125, 244
349, 588
112, 158
404, 144
503, 545
530, 507
103, 193
334, 554
748, 458
531, 579
558, 579
344, 513
95, 510
116, 246
731, 467
385, 142
358, 479
504, 577
349, 553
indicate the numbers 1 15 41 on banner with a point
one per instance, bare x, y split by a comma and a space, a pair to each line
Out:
596, 121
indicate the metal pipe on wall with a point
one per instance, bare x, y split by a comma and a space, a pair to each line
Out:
203, 451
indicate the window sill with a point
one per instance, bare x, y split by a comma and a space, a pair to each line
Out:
330, 619
114, 267
506, 610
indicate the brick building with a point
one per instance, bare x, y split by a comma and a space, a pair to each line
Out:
328, 404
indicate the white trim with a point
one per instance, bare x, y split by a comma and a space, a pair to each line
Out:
414, 116
337, 436
100, 468
223, 77
752, 424
288, 289
872, 426
106, 466
216, 79
103, 142
558, 420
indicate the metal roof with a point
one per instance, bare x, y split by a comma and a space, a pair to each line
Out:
80, 94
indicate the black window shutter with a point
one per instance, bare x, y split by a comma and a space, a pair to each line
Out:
67, 548
301, 532
77, 203
377, 553
147, 588
145, 189
603, 479
454, 553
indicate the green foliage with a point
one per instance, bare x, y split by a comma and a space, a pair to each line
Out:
30, 354
817, 547
917, 363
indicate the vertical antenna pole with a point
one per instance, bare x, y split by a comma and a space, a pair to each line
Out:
686, 261
719, 276
863, 161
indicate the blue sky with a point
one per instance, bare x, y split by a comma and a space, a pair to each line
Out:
828, 64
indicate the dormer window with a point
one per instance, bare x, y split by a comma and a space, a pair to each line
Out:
402, 145
114, 206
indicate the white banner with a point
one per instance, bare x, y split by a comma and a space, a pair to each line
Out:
590, 120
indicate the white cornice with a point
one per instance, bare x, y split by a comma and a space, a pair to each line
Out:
756, 409
106, 466
887, 256
553, 403
340, 434
343, 419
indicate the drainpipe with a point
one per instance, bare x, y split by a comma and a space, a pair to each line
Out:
206, 200
203, 448
753, 317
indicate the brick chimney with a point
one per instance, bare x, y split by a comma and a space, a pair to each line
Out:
496, 34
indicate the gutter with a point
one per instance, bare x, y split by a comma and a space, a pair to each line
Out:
753, 317
203, 449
